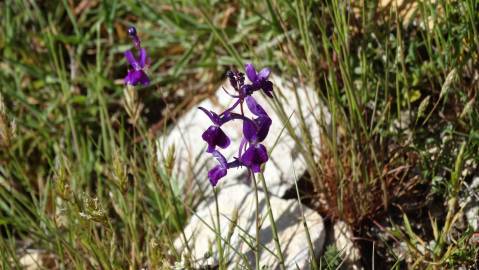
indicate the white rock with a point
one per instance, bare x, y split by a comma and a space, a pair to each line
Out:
241, 198
471, 209
343, 237
192, 163
37, 259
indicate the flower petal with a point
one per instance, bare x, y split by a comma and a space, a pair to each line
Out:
212, 115
242, 146
254, 156
256, 168
132, 77
263, 123
264, 74
248, 157
248, 89
251, 72
267, 87
131, 59
222, 139
128, 78
142, 57
261, 153
214, 136
254, 106
221, 159
216, 174
135, 77
144, 80
249, 130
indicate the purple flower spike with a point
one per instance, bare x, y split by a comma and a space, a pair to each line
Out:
259, 80
251, 153
214, 136
254, 157
137, 74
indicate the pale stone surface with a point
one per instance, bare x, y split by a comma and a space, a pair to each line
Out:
471, 209
241, 198
37, 259
343, 237
192, 163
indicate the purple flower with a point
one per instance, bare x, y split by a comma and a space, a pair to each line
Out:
255, 131
214, 135
236, 79
254, 157
258, 80
220, 170
137, 74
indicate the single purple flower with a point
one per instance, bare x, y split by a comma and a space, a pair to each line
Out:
214, 135
254, 157
256, 130
137, 74
258, 80
220, 170
216, 174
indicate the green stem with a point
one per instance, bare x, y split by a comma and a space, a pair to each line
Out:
218, 232
179, 219
305, 225
258, 222
271, 220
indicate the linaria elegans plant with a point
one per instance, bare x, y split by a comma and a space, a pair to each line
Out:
251, 154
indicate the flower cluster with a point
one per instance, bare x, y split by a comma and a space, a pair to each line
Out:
251, 153
136, 75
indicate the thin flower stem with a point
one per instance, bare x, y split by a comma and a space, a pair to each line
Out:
218, 232
258, 222
305, 225
178, 217
271, 220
